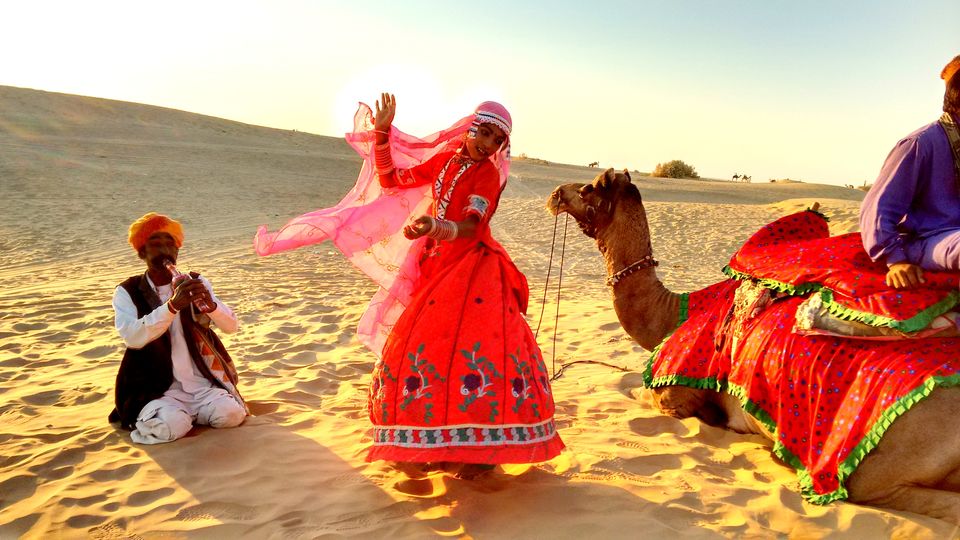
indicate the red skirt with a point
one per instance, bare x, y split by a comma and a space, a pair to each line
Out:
462, 378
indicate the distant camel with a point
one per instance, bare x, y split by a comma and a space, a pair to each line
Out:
594, 164
735, 177
745, 178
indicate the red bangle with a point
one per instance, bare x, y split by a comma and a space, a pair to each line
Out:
170, 308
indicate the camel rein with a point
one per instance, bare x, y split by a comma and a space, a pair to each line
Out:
647, 260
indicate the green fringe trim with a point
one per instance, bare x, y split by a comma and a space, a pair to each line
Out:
681, 318
844, 469
779, 286
918, 322
684, 309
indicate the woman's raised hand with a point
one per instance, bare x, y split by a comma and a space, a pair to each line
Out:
386, 107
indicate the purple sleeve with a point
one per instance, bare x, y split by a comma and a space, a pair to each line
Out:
889, 200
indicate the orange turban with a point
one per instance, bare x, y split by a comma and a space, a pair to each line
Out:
952, 67
151, 223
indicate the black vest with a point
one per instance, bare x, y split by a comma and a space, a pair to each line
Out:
145, 374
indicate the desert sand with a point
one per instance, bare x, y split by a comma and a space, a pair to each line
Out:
75, 171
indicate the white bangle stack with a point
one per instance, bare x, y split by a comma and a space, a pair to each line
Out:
443, 229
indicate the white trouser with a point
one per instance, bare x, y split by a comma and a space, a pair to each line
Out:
171, 416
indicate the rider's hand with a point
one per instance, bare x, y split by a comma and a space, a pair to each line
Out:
905, 275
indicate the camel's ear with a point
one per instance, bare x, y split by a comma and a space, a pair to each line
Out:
608, 178
627, 174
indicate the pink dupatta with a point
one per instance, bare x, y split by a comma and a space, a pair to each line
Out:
366, 225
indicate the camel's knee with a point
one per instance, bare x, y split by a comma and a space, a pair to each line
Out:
679, 401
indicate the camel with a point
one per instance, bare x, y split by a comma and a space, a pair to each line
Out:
914, 468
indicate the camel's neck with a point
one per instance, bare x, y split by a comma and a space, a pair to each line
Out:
647, 310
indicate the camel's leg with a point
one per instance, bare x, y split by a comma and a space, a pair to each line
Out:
680, 401
936, 503
916, 457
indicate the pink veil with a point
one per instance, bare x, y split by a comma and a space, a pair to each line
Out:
366, 224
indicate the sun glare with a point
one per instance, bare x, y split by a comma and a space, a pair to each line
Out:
426, 102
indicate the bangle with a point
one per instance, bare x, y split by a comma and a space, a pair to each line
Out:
383, 161
443, 229
171, 309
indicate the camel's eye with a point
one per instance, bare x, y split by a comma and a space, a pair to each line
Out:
586, 190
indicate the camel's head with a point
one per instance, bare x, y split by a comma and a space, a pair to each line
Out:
593, 204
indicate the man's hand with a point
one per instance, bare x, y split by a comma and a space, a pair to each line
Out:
187, 292
904, 276
386, 108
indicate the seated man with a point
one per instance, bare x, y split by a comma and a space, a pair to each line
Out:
175, 371
909, 219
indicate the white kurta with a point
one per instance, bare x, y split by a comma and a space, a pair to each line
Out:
137, 333
191, 397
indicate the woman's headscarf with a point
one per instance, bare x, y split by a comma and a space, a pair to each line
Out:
366, 225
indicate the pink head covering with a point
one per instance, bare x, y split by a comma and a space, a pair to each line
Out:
366, 225
493, 113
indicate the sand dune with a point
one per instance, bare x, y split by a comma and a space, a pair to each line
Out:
75, 171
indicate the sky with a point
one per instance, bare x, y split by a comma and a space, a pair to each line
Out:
817, 91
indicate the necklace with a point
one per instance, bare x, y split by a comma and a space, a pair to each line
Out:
441, 197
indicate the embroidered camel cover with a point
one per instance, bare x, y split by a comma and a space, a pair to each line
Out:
828, 400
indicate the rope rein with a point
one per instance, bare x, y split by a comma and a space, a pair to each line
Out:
556, 321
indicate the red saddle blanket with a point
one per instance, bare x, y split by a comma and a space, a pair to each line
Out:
797, 255
827, 400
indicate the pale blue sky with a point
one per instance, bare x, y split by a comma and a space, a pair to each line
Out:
817, 91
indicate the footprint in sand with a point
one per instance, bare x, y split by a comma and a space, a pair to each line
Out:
81, 395
14, 362
143, 498
19, 487
110, 531
43, 398
424, 488
633, 446
27, 327
651, 427
262, 408
648, 465
219, 511
99, 351
85, 520
120, 473
58, 337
